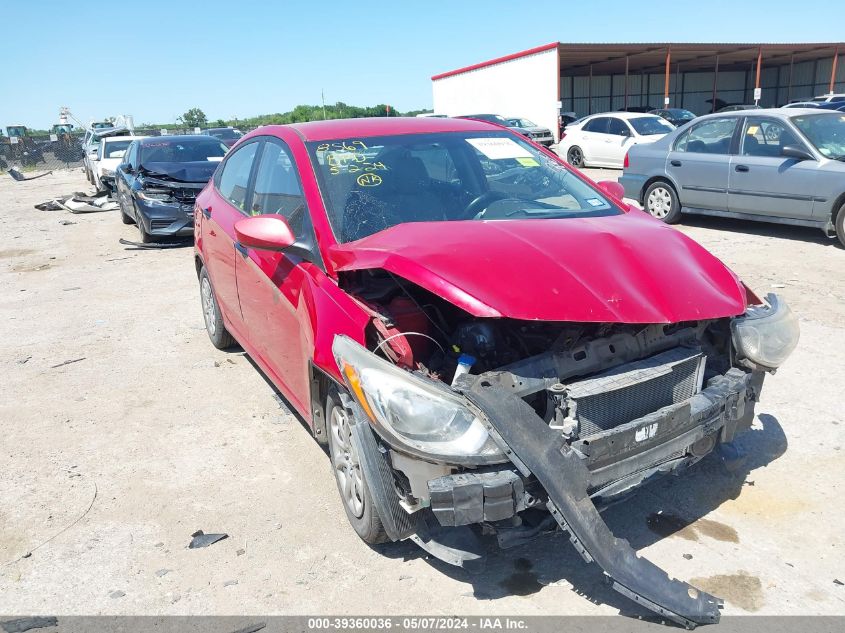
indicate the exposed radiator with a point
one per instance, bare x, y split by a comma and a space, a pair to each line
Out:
630, 391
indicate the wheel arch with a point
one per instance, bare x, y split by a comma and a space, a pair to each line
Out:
660, 177
837, 204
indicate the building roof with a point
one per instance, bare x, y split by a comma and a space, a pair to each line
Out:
605, 59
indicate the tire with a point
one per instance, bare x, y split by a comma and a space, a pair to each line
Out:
217, 332
146, 238
840, 225
350, 478
575, 156
123, 217
661, 202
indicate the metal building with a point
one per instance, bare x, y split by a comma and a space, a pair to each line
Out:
585, 78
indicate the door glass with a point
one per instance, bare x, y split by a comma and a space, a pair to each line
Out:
618, 127
277, 189
765, 137
234, 178
710, 137
598, 125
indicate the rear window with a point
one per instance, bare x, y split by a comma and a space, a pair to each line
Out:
116, 149
182, 151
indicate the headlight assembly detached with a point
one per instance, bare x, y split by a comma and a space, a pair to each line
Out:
413, 414
767, 334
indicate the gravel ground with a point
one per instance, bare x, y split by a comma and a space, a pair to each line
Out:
147, 434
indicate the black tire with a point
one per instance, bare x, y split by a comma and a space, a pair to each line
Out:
146, 238
661, 201
575, 156
214, 326
840, 225
123, 217
350, 478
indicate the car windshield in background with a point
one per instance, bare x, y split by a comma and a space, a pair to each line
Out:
116, 149
648, 126
178, 151
371, 184
225, 134
683, 115
521, 123
825, 131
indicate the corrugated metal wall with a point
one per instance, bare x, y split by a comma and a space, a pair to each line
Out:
694, 90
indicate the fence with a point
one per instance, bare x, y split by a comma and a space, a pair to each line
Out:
43, 152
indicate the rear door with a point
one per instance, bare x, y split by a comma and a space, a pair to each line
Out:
699, 163
618, 140
594, 140
762, 181
221, 206
273, 287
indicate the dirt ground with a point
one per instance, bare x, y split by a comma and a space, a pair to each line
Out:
111, 461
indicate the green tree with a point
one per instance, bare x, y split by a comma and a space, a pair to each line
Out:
194, 118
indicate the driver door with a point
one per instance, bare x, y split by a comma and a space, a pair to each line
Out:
273, 286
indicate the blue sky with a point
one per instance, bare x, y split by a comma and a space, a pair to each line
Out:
245, 58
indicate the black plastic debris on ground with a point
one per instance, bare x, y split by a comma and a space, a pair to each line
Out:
202, 539
26, 624
15, 174
154, 245
252, 628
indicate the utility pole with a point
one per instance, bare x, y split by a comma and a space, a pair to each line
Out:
323, 97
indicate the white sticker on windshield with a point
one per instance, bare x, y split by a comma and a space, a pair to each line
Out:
499, 148
214, 159
594, 202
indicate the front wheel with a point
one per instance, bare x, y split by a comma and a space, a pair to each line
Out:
351, 480
575, 156
840, 225
662, 202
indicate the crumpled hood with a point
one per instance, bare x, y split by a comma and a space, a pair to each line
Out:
627, 268
194, 171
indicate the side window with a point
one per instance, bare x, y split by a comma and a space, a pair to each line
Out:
618, 127
131, 154
765, 137
277, 189
709, 137
598, 125
234, 179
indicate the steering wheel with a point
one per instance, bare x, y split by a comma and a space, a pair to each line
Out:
478, 206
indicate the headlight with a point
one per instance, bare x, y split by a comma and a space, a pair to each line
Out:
107, 173
766, 335
413, 414
155, 197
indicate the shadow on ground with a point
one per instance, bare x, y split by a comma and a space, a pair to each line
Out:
763, 229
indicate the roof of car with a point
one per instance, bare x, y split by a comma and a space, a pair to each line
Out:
383, 126
109, 139
623, 115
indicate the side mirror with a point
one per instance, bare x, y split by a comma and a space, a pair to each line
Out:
612, 188
794, 151
264, 232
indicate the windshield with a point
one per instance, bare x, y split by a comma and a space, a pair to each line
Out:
825, 131
116, 149
650, 125
225, 134
371, 184
521, 123
683, 115
178, 151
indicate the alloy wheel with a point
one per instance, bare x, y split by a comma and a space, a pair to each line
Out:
345, 461
575, 157
208, 312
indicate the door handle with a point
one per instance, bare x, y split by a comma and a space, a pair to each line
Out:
742, 168
675, 163
241, 248
206, 213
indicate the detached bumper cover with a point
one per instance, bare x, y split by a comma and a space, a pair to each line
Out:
725, 406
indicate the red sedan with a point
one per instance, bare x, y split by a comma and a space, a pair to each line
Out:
479, 333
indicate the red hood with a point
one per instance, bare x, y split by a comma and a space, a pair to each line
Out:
624, 269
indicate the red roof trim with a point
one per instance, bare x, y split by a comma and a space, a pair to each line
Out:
498, 60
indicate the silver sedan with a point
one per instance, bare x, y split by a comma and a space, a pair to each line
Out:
784, 166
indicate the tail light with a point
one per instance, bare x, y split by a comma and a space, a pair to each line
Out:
562, 135
625, 163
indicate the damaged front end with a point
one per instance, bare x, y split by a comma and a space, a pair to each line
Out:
167, 201
464, 421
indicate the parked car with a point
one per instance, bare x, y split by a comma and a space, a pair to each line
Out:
801, 104
227, 135
535, 133
109, 155
641, 109
91, 144
675, 116
602, 140
775, 165
529, 129
830, 97
158, 181
425, 294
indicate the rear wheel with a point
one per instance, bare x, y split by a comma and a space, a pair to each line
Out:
575, 156
840, 225
351, 480
662, 202
217, 332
